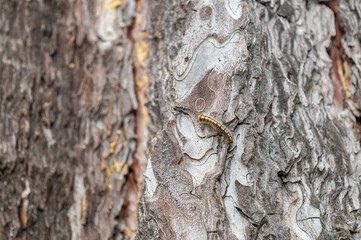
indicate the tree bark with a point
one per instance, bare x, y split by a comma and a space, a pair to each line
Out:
87, 87
68, 120
283, 76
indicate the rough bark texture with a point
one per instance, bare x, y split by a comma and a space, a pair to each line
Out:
284, 76
68, 120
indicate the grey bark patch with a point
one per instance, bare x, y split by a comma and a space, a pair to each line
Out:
289, 172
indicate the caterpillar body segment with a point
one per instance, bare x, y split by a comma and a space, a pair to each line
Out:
204, 118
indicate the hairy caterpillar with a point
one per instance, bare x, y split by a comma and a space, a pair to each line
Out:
204, 118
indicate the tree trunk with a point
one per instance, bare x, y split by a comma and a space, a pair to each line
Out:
284, 77
69, 166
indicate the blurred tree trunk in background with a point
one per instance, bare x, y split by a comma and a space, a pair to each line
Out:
283, 76
68, 120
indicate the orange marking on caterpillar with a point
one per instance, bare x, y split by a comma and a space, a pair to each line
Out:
204, 118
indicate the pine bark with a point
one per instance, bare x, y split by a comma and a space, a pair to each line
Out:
68, 120
283, 76
90, 91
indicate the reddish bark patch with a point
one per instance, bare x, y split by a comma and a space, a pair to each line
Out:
340, 62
